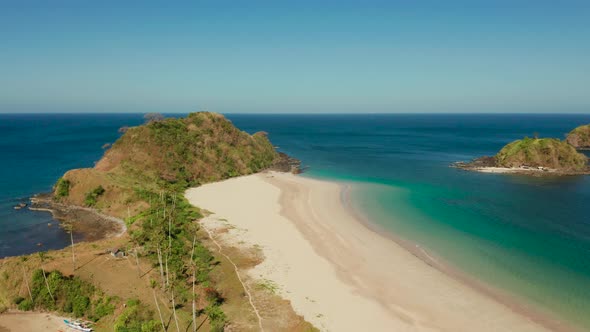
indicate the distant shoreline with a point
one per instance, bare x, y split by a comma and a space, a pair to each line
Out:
532, 171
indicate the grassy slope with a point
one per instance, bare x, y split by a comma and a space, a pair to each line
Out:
169, 155
580, 137
546, 152
144, 174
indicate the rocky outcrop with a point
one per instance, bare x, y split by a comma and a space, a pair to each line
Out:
579, 138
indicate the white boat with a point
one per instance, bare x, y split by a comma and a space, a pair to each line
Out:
78, 325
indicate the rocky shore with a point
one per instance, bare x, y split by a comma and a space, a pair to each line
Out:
532, 156
287, 164
89, 223
488, 164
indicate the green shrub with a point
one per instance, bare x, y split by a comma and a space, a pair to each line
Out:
80, 305
92, 196
62, 188
217, 318
102, 308
69, 294
136, 317
26, 305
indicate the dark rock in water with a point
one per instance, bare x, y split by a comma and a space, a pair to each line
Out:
485, 161
20, 206
285, 163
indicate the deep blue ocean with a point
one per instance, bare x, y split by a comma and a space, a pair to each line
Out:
525, 235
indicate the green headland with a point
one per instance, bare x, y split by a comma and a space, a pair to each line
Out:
162, 270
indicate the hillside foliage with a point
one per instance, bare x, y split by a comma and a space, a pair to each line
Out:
579, 137
62, 188
56, 292
142, 178
543, 152
178, 153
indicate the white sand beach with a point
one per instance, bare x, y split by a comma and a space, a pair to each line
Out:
337, 273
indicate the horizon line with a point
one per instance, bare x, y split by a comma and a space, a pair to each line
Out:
301, 113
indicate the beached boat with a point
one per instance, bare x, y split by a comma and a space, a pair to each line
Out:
78, 325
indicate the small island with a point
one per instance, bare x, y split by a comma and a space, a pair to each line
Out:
532, 156
579, 138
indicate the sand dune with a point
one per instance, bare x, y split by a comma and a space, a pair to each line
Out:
337, 273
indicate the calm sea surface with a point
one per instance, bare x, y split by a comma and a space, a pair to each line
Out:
528, 236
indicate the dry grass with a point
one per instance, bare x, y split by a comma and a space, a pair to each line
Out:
277, 313
118, 277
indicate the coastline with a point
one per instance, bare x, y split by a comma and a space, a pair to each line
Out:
337, 271
511, 301
91, 224
484, 167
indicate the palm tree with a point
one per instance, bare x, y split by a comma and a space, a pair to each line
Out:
42, 256
70, 229
23, 259
194, 272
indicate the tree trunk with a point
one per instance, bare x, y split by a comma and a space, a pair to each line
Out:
193, 250
47, 283
159, 312
167, 279
174, 312
194, 276
194, 304
73, 253
27, 283
137, 262
161, 267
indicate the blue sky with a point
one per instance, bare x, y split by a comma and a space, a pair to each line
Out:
297, 56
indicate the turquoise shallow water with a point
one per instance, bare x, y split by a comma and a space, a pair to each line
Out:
527, 236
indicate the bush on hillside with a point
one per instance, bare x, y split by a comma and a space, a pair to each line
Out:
92, 196
544, 152
62, 188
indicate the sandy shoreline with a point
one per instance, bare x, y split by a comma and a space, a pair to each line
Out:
520, 170
15, 321
514, 170
337, 273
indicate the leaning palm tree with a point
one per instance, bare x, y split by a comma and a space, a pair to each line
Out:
70, 229
42, 256
194, 273
26, 278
